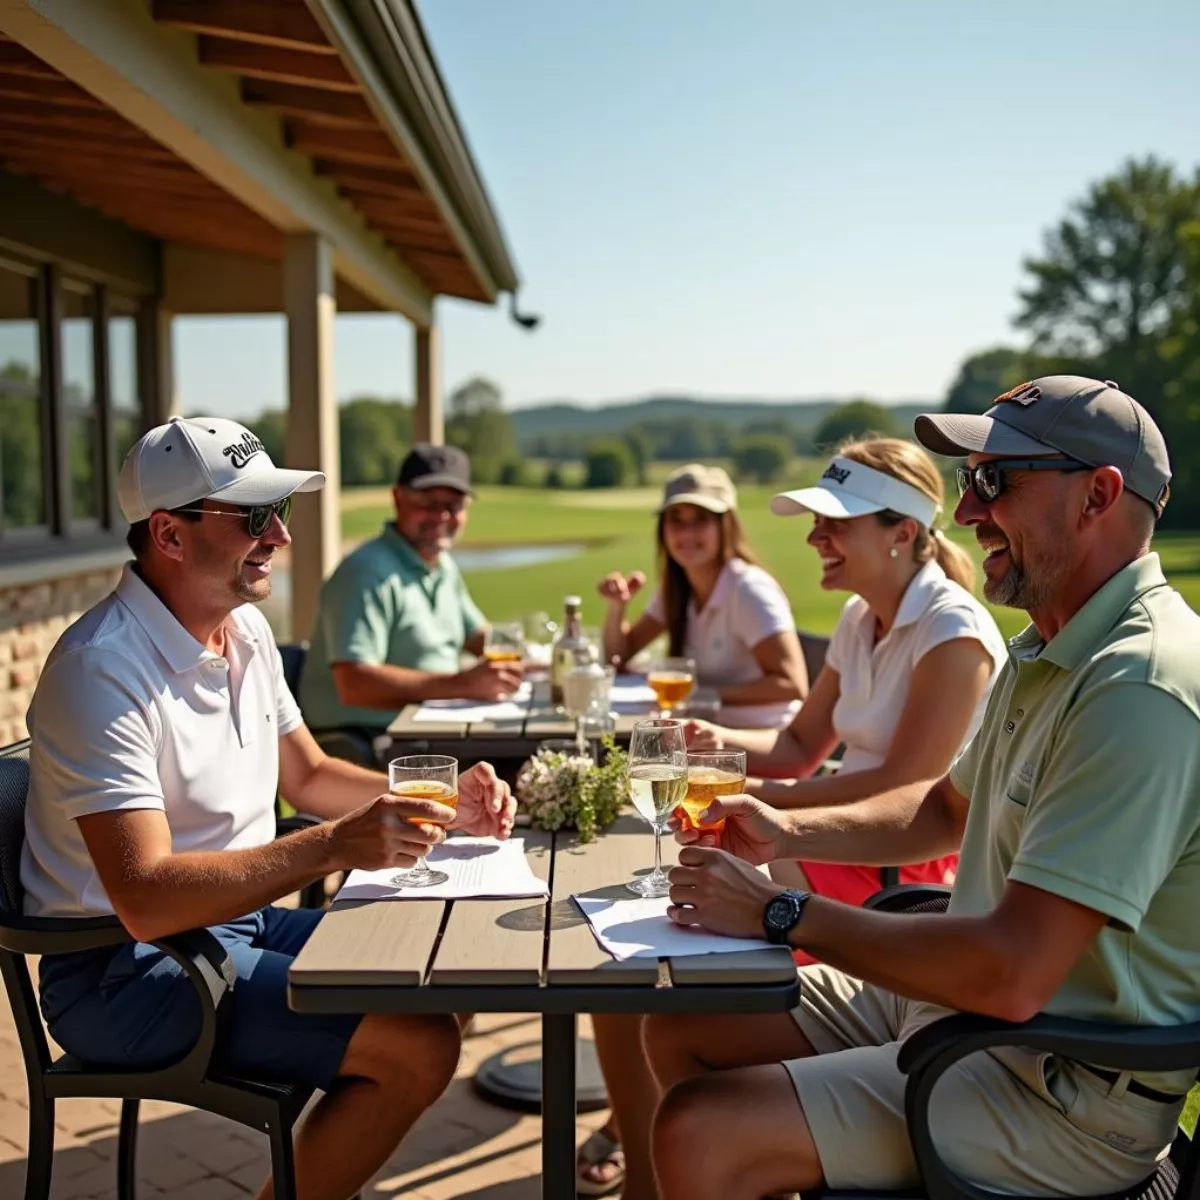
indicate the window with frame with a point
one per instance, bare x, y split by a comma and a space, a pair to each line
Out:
22, 408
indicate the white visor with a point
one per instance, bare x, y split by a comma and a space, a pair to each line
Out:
850, 489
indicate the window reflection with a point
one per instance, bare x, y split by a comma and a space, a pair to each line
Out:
22, 495
79, 397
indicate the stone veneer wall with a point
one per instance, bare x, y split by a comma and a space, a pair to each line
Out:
32, 616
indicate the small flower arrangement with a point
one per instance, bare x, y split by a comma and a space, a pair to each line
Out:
560, 789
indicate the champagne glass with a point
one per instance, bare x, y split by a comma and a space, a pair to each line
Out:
423, 777
712, 773
672, 680
504, 642
658, 784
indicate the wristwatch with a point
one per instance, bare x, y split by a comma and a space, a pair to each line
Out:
782, 915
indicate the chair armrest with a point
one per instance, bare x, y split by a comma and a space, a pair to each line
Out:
59, 935
197, 951
212, 973
931, 1051
294, 823
901, 897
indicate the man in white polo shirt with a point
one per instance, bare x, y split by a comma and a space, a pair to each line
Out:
162, 728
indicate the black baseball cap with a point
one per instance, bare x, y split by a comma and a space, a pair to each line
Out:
428, 466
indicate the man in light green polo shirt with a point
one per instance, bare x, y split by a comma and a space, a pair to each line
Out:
1077, 807
395, 617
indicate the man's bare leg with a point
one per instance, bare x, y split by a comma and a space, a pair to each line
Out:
634, 1094
736, 1134
680, 1047
394, 1068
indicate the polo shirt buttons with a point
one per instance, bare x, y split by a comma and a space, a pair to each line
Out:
1009, 726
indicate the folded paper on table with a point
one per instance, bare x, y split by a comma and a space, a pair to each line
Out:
639, 928
515, 708
478, 867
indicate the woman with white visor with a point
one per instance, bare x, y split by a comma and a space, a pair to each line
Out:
909, 666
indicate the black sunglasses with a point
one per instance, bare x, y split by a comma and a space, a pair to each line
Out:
257, 516
989, 479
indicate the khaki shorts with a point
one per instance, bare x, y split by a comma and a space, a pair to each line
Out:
1015, 1120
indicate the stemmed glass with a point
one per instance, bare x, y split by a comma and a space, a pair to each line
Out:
672, 681
423, 777
658, 783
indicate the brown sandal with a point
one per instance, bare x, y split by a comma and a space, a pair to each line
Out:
599, 1150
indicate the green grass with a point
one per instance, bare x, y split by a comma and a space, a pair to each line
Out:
618, 529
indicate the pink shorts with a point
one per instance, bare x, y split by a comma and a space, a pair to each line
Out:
852, 885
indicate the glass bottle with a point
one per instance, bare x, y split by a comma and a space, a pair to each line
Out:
569, 648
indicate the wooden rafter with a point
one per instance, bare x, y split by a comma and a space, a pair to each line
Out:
258, 22
270, 62
57, 93
16, 60
352, 146
318, 106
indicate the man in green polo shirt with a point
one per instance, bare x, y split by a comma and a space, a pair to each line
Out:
395, 617
1077, 807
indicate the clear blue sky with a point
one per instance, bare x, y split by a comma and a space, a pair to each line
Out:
772, 198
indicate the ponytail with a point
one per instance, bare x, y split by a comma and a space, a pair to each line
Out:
954, 560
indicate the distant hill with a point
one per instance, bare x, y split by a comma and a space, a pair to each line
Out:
559, 418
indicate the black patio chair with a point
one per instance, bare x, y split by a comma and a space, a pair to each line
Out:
926, 1055
270, 1107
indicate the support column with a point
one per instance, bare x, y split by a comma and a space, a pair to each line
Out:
312, 429
164, 391
428, 418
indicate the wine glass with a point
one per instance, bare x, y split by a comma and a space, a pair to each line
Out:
658, 784
504, 642
423, 777
712, 773
672, 681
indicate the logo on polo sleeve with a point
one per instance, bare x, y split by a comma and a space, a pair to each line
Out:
243, 450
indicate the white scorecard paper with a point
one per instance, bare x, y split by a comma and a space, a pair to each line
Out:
479, 867
639, 928
515, 708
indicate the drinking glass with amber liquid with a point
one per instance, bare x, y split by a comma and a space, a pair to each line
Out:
711, 773
423, 777
672, 681
505, 642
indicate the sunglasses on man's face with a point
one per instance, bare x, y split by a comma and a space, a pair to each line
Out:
257, 516
988, 480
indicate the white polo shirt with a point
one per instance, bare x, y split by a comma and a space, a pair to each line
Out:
747, 606
130, 712
875, 676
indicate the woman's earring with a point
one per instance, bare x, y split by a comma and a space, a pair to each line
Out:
894, 552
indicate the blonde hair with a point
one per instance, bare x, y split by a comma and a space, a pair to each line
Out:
910, 464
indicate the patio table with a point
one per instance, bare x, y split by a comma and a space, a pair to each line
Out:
515, 739
430, 956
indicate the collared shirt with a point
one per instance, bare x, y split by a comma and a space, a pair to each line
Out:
1085, 782
385, 605
875, 675
746, 607
132, 712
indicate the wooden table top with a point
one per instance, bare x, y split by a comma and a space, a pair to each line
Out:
528, 955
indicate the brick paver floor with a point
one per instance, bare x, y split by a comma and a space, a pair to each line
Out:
464, 1147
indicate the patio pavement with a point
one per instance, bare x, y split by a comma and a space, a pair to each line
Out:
463, 1147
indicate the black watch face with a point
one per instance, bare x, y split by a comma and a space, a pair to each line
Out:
781, 912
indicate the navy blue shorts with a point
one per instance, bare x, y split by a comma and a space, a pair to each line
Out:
132, 1006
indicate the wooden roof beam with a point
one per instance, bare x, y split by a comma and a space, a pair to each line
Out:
270, 62
259, 22
344, 145
318, 106
45, 91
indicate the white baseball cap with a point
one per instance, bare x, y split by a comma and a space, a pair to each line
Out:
852, 489
194, 458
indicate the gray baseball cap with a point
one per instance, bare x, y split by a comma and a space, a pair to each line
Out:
1089, 420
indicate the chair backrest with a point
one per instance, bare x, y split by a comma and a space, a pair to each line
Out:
293, 655
814, 647
14, 788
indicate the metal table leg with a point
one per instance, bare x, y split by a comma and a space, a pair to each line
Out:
558, 1106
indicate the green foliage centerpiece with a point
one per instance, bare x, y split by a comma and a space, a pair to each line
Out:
562, 789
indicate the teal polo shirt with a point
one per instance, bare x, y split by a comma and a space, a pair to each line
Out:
384, 605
